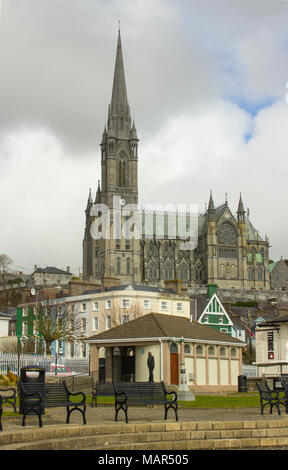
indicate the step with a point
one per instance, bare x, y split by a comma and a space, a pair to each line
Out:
150, 436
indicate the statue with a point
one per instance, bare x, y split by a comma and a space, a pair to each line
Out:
151, 365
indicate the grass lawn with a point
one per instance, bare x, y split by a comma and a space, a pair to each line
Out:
246, 400
208, 401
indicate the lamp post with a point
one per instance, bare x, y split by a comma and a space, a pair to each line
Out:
183, 387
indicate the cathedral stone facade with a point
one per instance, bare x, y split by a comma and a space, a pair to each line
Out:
228, 250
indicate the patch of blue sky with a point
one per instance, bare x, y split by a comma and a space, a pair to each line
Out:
253, 107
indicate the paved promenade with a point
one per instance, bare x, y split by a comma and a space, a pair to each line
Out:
105, 415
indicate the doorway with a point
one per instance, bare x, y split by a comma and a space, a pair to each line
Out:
174, 365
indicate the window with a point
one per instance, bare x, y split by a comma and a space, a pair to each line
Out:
24, 328
223, 330
234, 352
220, 320
108, 304
83, 325
128, 265
211, 351
125, 303
83, 307
152, 272
183, 273
223, 352
200, 351
108, 322
250, 274
125, 318
118, 266
164, 305
25, 311
95, 323
173, 348
187, 349
227, 253
122, 173
179, 307
146, 304
96, 305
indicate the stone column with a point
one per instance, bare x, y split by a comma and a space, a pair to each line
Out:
182, 377
94, 362
108, 365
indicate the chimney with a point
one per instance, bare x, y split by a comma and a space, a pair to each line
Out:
174, 284
107, 282
35, 267
68, 269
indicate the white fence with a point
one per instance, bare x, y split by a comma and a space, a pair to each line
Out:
14, 362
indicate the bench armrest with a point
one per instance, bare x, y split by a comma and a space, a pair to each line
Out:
170, 393
74, 394
120, 393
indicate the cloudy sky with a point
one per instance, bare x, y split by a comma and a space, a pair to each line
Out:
207, 87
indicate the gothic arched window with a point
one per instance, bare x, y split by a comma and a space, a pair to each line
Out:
226, 234
122, 170
168, 271
183, 273
152, 272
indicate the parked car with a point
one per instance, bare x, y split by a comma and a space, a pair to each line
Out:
60, 370
45, 365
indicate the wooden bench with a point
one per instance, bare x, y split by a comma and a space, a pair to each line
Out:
0, 413
269, 397
141, 394
35, 397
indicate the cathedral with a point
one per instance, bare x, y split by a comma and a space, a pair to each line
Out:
228, 250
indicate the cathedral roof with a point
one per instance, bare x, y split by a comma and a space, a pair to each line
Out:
134, 287
251, 233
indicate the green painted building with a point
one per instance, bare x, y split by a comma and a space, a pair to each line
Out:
215, 315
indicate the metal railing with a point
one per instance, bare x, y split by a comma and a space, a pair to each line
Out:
14, 362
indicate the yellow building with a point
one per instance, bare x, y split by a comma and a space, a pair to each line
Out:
212, 360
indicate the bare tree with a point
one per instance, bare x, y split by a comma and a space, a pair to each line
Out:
120, 315
5, 262
8, 345
55, 320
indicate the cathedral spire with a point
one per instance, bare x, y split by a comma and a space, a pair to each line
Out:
98, 194
211, 208
119, 118
89, 203
119, 92
241, 210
